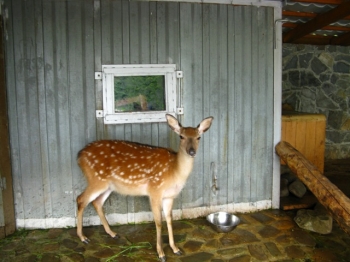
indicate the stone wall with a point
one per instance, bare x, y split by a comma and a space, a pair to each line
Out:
316, 79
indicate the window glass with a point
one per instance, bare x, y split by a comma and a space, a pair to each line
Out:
139, 93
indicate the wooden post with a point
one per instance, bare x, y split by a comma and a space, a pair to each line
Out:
326, 192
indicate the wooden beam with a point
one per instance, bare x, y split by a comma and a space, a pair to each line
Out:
329, 27
304, 14
318, 22
326, 192
326, 2
343, 39
314, 40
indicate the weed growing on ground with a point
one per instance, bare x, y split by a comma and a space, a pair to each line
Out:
127, 250
15, 237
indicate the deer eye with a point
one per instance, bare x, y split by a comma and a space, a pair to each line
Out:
181, 137
199, 138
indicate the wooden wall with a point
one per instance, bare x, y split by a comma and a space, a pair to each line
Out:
54, 48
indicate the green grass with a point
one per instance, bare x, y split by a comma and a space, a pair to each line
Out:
128, 251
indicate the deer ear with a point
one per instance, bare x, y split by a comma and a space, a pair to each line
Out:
205, 125
173, 123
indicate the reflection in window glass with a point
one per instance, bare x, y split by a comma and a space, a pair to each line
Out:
139, 93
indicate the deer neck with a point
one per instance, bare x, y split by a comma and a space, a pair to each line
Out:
183, 164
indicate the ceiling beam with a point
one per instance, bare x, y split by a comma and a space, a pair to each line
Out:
314, 40
329, 27
318, 22
304, 14
343, 39
326, 2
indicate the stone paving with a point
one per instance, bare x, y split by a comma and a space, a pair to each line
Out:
270, 235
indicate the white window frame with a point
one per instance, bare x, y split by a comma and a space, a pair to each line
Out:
111, 71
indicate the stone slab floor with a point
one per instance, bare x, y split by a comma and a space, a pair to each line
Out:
269, 235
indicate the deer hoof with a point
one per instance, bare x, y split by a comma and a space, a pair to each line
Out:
162, 259
86, 241
116, 236
178, 253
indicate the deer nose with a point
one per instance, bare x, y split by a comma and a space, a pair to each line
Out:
192, 152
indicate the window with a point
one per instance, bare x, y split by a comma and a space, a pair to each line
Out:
138, 93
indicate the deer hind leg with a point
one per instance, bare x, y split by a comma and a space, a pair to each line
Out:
167, 208
98, 205
90, 194
156, 206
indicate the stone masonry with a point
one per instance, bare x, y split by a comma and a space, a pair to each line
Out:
316, 79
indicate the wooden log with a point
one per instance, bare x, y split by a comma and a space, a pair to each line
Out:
330, 196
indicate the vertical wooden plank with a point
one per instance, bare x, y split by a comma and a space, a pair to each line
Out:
192, 65
195, 116
231, 108
300, 135
206, 143
214, 86
247, 102
14, 126
80, 81
238, 94
310, 140
56, 52
223, 103
186, 31
270, 108
18, 65
265, 58
320, 134
44, 150
27, 94
75, 82
256, 107
97, 36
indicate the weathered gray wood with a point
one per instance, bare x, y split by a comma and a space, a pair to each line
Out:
44, 149
231, 64
12, 114
224, 51
206, 87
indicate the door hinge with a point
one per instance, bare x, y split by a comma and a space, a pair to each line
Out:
2, 183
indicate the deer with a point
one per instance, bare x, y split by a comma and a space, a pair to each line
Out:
135, 169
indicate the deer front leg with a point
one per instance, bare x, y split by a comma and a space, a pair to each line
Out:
167, 208
157, 215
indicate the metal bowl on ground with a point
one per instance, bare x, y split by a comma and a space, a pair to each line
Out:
223, 222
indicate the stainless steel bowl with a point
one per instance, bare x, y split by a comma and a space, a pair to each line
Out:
223, 222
